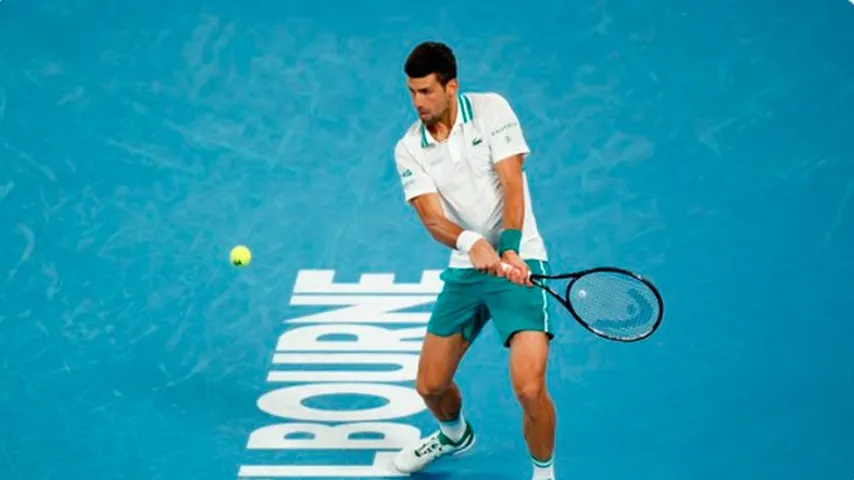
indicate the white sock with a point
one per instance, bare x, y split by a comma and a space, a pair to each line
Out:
454, 429
544, 470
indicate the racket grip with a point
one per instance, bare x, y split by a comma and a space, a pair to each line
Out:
507, 267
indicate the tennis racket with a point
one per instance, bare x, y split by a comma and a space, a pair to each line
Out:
610, 302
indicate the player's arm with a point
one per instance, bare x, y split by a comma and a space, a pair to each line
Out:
509, 149
421, 193
481, 253
429, 210
510, 176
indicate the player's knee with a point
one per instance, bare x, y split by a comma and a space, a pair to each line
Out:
529, 354
530, 391
439, 359
429, 385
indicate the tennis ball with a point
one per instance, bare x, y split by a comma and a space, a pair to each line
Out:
240, 256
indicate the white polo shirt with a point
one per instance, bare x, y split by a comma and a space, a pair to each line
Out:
461, 170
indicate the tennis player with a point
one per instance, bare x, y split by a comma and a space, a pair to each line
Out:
461, 169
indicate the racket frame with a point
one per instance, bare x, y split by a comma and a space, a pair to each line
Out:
567, 303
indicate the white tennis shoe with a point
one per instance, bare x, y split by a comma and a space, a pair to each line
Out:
416, 457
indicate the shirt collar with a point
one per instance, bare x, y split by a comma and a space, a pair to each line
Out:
464, 115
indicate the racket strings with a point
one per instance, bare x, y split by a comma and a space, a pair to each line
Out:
614, 304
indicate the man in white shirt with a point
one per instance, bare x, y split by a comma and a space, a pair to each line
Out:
461, 167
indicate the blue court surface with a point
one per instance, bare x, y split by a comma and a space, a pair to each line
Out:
706, 145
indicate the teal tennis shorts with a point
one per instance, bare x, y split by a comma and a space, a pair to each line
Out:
470, 299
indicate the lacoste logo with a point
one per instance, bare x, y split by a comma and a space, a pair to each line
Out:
476, 141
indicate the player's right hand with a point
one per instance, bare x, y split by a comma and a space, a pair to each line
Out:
485, 259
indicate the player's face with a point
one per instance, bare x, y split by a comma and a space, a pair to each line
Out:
430, 98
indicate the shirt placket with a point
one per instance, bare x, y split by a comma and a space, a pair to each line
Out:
455, 144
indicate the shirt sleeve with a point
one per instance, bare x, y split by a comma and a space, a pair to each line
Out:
504, 130
413, 177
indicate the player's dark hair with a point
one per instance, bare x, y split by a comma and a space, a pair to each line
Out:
432, 57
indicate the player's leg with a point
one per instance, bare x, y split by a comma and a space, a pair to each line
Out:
521, 317
440, 357
457, 319
528, 358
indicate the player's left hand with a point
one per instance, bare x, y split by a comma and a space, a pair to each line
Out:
520, 273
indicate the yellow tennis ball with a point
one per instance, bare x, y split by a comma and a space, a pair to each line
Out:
240, 256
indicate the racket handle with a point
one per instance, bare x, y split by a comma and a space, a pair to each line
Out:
507, 267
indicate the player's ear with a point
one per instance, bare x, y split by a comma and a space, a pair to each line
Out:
452, 87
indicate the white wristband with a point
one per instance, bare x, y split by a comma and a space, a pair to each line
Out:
466, 240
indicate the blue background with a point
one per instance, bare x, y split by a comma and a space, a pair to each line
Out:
707, 145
